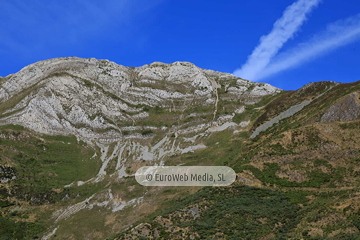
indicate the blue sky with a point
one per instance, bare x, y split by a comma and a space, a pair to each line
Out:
285, 43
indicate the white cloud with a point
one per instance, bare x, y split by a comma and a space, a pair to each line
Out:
336, 35
284, 28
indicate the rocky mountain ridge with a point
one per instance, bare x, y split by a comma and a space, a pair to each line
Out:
102, 103
85, 96
74, 131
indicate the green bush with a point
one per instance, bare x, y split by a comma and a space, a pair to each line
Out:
147, 132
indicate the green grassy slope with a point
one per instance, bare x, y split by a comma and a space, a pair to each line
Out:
304, 174
43, 165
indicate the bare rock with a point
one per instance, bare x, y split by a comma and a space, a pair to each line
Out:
346, 109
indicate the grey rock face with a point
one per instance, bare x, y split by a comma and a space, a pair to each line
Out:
97, 99
347, 109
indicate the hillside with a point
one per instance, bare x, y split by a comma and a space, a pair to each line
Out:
74, 131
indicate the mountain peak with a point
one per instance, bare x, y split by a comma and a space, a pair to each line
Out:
83, 97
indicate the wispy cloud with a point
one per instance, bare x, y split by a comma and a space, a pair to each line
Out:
336, 35
284, 28
33, 24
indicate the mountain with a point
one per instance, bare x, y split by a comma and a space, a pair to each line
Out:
74, 131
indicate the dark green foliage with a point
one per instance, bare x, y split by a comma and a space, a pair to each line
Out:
244, 135
298, 196
268, 175
35, 194
356, 221
158, 109
278, 149
89, 84
240, 212
344, 236
233, 213
240, 117
353, 125
5, 203
147, 132
10, 229
11, 126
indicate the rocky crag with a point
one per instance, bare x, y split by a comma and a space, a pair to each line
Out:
74, 131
